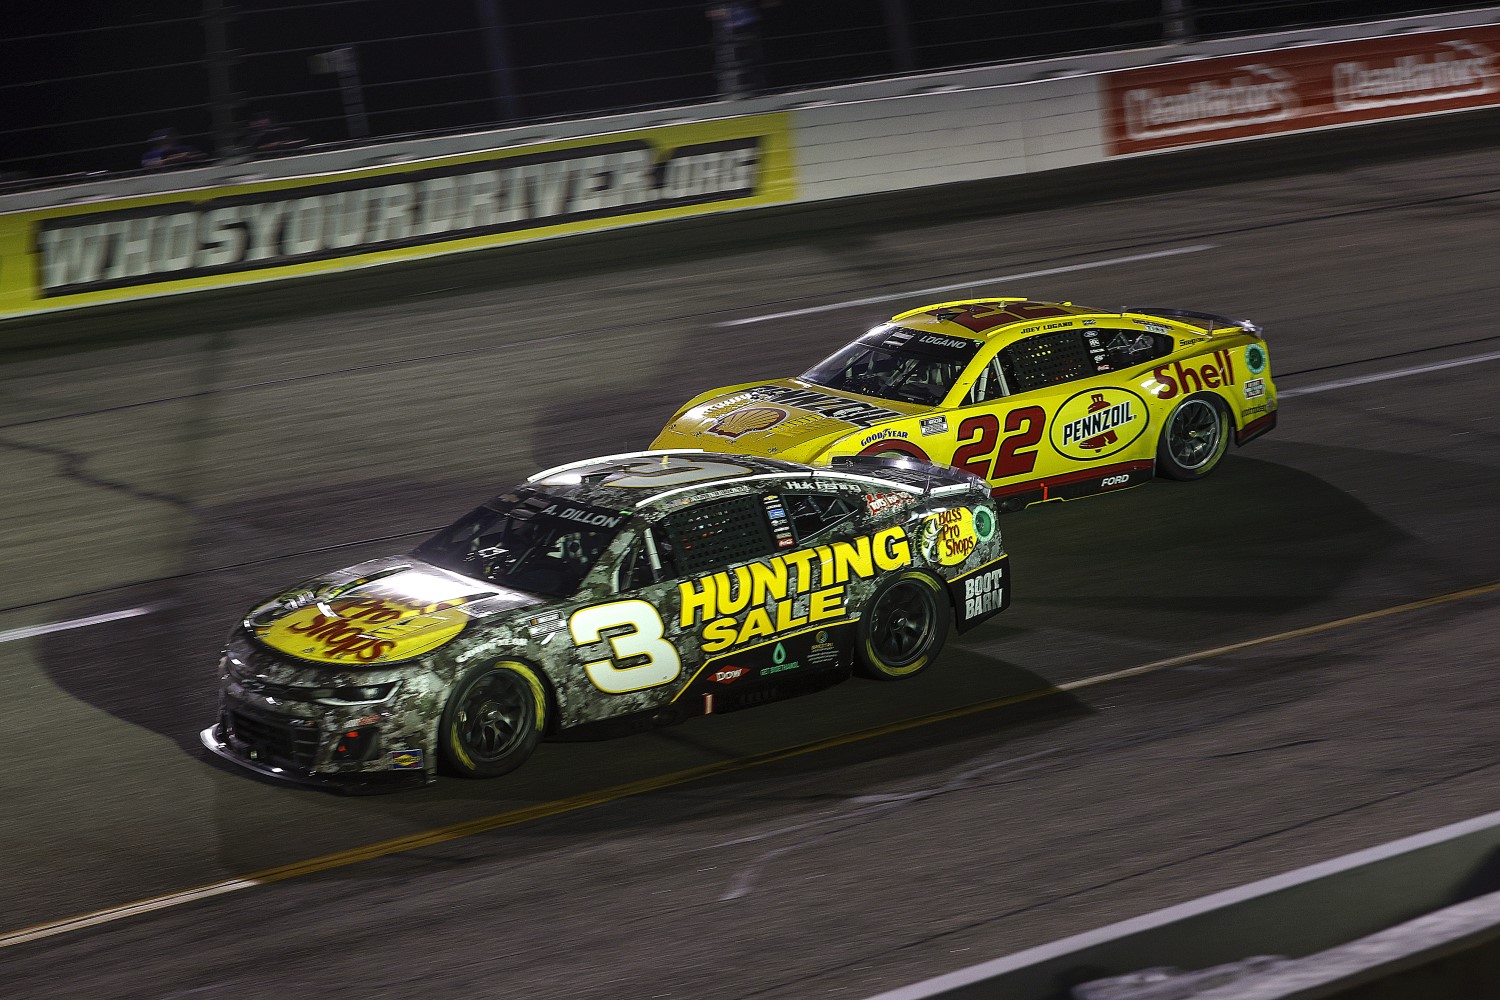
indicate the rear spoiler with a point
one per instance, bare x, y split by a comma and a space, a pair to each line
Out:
1214, 320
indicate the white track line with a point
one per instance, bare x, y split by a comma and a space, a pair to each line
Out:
831, 307
36, 630
1345, 383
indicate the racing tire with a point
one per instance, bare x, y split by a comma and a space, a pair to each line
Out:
1195, 437
493, 720
903, 627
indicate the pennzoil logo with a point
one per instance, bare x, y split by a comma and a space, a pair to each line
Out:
747, 420
1098, 423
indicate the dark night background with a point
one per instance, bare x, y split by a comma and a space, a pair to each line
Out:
84, 83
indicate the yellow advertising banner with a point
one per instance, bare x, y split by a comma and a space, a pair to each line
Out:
215, 237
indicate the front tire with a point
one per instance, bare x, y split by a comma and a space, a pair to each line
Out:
903, 627
493, 720
1195, 437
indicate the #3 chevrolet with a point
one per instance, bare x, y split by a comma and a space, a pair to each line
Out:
608, 595
1043, 400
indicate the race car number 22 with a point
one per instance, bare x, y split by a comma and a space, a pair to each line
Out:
661, 664
1017, 453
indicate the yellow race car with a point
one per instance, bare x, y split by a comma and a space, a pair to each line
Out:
1044, 400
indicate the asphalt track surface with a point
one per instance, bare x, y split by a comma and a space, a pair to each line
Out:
180, 459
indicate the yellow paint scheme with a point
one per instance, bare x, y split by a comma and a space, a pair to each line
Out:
1080, 436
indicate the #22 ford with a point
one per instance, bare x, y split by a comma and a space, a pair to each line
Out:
608, 595
1044, 400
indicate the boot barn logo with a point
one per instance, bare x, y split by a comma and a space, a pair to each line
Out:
93, 252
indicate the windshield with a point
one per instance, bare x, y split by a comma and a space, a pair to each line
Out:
530, 542
896, 363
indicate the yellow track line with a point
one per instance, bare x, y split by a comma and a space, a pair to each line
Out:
485, 824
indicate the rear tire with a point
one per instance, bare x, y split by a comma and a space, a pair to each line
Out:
1195, 437
903, 627
493, 720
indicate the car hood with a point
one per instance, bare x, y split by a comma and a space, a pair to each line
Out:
378, 612
786, 418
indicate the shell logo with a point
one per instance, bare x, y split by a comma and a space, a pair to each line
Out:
1098, 423
746, 420
362, 630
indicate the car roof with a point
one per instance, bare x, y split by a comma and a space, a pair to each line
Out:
1004, 319
623, 482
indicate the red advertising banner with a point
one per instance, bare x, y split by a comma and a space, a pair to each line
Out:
1263, 93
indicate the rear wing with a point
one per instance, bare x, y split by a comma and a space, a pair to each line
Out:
1214, 321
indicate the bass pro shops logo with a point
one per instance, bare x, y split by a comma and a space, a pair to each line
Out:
1098, 423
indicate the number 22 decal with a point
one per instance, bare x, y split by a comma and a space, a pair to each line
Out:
661, 665
1016, 456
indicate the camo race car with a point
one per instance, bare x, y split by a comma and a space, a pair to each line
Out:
1043, 400
608, 595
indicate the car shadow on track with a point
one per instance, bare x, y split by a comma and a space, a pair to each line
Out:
1157, 570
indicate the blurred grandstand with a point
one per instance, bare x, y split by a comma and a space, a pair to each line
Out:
87, 86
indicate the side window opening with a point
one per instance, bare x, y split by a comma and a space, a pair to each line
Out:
812, 513
710, 536
1046, 359
989, 385
648, 560
1129, 348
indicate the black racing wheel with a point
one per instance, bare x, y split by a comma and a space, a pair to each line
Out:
903, 627
1194, 439
493, 720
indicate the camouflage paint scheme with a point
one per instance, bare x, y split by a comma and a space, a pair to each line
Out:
1138, 364
398, 620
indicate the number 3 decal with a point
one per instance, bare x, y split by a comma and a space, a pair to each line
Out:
661, 665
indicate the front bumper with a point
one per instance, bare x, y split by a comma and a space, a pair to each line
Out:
300, 745
228, 747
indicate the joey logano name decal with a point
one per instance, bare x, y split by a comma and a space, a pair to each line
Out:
358, 630
765, 598
138, 246
1098, 423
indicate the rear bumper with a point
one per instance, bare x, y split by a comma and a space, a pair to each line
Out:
1255, 428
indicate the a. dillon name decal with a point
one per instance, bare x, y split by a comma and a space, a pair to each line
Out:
96, 251
1098, 423
756, 601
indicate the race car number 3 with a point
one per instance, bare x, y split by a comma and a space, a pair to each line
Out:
646, 639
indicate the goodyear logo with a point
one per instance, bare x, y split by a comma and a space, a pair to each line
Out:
739, 606
1098, 423
362, 630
